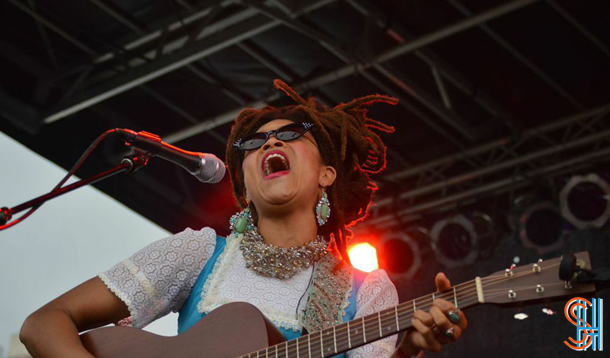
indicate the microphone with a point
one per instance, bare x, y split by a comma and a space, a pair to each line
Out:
205, 167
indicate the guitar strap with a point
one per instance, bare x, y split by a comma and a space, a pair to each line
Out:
329, 294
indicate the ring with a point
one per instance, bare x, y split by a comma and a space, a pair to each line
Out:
450, 332
435, 329
454, 317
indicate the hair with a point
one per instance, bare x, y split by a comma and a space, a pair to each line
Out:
360, 152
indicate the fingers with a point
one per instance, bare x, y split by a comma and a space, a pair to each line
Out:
424, 338
442, 282
437, 325
448, 307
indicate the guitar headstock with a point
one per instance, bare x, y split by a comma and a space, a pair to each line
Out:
534, 283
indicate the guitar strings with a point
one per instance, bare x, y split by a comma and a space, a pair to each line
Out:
342, 335
316, 347
465, 287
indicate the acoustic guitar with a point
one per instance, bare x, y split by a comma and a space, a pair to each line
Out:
240, 330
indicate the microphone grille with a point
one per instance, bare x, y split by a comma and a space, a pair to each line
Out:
212, 169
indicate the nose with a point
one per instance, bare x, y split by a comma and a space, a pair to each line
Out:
272, 142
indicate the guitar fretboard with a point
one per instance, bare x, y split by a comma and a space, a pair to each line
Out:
367, 329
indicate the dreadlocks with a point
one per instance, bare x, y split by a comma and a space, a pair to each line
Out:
360, 153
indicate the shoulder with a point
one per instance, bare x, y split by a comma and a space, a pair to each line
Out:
184, 248
374, 285
374, 278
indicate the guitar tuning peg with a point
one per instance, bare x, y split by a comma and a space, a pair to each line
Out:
509, 271
547, 310
521, 315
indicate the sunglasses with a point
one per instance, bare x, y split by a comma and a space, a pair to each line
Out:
286, 133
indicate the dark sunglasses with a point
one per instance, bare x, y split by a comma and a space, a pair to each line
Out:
286, 133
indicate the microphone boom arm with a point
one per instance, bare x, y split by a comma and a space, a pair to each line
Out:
129, 164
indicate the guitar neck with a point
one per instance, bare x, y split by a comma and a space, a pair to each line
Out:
367, 329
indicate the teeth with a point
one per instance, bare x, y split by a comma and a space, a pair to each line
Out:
267, 169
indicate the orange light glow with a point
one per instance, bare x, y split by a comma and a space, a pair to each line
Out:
363, 257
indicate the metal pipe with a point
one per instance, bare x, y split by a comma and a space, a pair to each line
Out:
258, 28
580, 27
494, 168
53, 27
117, 16
499, 143
158, 33
519, 56
351, 69
523, 178
255, 26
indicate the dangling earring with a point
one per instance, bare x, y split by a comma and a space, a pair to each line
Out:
241, 221
323, 209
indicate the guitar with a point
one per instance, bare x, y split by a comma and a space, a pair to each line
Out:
240, 330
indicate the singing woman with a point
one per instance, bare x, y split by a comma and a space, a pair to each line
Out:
301, 177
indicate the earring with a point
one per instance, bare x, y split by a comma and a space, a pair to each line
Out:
240, 221
323, 209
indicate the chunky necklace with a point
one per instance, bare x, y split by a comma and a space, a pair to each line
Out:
275, 261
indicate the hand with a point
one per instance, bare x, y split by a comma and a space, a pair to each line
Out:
433, 329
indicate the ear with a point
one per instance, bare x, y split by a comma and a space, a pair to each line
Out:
327, 177
247, 195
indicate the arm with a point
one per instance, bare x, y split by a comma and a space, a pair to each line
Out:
52, 331
151, 283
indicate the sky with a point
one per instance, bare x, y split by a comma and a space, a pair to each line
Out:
67, 241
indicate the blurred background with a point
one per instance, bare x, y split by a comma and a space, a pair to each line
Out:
500, 154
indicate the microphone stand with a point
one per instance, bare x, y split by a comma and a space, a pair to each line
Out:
129, 164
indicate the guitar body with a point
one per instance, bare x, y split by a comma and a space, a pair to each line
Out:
231, 330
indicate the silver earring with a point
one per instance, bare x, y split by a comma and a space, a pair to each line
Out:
323, 209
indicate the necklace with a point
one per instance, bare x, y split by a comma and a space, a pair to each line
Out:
279, 262
275, 261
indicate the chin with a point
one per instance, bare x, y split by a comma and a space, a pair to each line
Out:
279, 197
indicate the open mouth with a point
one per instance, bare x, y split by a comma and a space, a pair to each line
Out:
275, 164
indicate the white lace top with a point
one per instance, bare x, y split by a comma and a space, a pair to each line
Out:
159, 278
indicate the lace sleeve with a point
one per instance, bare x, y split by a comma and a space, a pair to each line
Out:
376, 293
159, 278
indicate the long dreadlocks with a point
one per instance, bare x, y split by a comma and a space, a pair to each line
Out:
361, 152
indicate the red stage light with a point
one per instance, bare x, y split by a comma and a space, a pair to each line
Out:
363, 257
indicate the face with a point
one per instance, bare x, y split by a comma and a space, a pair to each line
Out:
285, 174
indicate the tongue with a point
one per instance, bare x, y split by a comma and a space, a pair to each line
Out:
277, 165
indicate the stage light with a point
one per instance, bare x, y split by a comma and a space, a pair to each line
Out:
363, 257
400, 253
455, 241
584, 201
542, 228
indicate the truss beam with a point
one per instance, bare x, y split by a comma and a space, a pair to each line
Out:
562, 143
350, 69
146, 72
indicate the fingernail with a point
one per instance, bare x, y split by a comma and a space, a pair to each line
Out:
453, 316
450, 332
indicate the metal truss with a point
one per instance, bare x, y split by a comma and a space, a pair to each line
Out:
162, 51
159, 52
360, 67
504, 164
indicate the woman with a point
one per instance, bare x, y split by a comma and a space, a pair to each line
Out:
286, 253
